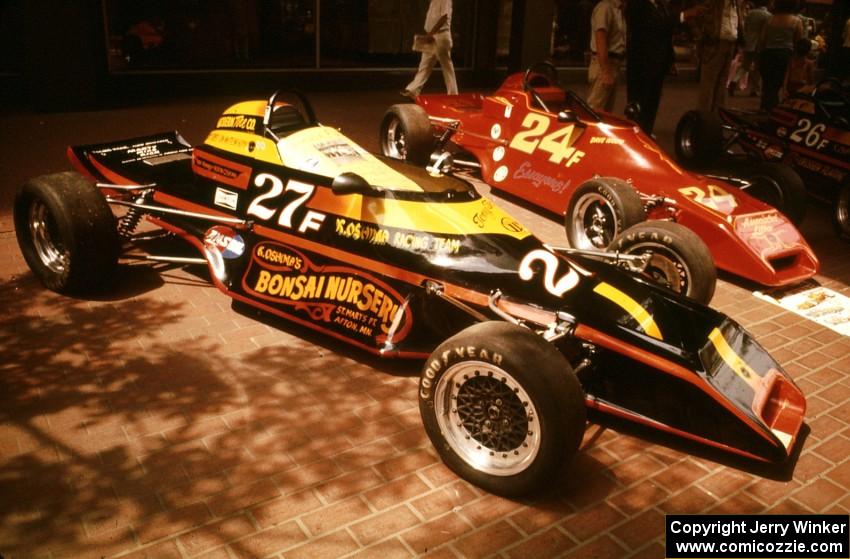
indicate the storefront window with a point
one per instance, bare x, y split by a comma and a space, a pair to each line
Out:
191, 34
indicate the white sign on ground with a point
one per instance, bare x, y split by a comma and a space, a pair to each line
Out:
810, 300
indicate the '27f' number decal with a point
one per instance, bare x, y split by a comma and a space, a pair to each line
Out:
312, 220
557, 143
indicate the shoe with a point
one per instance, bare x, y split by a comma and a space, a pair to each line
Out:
406, 93
732, 87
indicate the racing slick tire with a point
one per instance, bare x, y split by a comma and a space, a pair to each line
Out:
406, 134
679, 259
841, 216
777, 185
599, 210
66, 232
503, 407
699, 138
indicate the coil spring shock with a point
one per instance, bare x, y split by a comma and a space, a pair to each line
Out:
128, 223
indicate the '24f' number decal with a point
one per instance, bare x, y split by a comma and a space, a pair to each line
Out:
809, 135
312, 220
556, 143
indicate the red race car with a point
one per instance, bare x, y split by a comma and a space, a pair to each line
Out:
537, 141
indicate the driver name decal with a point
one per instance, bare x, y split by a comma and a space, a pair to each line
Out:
338, 298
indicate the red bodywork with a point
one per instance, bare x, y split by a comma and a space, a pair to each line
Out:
530, 153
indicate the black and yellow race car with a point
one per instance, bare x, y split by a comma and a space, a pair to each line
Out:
518, 338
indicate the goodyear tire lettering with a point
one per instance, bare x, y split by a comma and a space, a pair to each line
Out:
437, 365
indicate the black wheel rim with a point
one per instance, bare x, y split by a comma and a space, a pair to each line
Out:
594, 222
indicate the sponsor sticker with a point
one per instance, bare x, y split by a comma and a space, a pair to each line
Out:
767, 233
226, 198
226, 241
500, 174
537, 179
246, 123
346, 300
773, 152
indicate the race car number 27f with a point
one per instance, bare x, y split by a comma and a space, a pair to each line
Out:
266, 205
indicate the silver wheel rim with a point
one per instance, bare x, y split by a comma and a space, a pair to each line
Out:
842, 210
46, 240
686, 141
487, 418
664, 267
395, 140
594, 222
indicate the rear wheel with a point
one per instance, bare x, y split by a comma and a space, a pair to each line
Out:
679, 260
777, 185
841, 217
599, 210
495, 419
406, 134
699, 138
66, 232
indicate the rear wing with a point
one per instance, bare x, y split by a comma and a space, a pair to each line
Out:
141, 160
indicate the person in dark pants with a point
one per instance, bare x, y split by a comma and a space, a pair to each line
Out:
776, 45
649, 54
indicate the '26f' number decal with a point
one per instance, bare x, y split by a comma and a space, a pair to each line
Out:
313, 220
556, 143
809, 135
550, 267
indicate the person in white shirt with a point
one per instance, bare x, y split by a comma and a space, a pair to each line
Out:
438, 23
608, 49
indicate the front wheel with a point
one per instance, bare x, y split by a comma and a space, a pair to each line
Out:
66, 232
502, 407
841, 217
406, 134
778, 185
599, 210
678, 259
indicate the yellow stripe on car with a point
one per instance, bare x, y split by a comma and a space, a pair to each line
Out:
640, 314
738, 365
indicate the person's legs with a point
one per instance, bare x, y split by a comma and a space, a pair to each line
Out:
644, 80
715, 59
773, 65
444, 55
426, 66
602, 96
652, 98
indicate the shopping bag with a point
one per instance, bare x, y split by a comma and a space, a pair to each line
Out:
424, 43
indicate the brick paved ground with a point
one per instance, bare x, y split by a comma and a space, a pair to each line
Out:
159, 422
